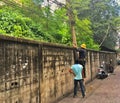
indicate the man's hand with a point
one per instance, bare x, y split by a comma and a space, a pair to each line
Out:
71, 71
74, 45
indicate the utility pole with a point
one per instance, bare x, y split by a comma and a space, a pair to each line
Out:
72, 22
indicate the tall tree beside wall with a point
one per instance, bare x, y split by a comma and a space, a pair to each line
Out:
102, 14
83, 28
58, 24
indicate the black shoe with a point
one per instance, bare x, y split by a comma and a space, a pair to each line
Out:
84, 96
74, 96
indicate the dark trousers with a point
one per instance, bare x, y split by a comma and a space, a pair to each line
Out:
81, 87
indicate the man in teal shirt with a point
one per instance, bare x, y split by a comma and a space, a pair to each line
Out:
76, 70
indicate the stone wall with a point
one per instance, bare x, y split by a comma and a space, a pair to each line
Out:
19, 72
34, 72
56, 80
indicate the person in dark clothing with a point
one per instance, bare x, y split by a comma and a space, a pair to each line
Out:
82, 58
80, 54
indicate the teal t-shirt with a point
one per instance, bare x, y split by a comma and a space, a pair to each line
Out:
77, 69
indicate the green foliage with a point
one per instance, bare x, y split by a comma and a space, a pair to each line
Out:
15, 24
103, 17
85, 35
117, 23
31, 20
102, 14
55, 25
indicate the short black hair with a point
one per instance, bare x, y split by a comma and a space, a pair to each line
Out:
77, 61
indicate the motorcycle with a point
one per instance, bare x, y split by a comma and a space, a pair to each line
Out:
102, 74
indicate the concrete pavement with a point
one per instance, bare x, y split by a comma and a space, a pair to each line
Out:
99, 91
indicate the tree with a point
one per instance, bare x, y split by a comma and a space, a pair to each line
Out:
103, 16
83, 24
90, 19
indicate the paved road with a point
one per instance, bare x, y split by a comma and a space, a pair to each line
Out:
99, 91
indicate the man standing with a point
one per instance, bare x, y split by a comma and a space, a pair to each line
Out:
76, 70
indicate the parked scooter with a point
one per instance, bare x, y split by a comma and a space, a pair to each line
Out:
102, 74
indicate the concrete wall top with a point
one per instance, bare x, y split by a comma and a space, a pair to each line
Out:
28, 41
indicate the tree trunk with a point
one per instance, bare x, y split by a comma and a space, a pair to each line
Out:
72, 22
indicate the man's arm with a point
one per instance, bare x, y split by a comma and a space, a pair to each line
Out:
71, 71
